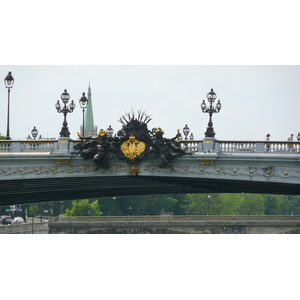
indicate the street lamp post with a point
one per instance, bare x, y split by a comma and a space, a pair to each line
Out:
9, 82
62, 207
109, 131
211, 97
208, 199
51, 211
65, 110
89, 208
188, 212
186, 132
34, 132
83, 101
191, 136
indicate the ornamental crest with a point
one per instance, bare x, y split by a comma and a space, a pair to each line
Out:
132, 148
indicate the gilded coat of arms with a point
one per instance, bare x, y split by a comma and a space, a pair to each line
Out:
132, 148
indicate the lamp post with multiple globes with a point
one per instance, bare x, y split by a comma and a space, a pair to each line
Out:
65, 97
211, 97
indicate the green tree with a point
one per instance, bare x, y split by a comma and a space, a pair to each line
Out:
2, 137
196, 204
274, 204
137, 205
229, 204
34, 210
156, 204
81, 208
178, 208
251, 204
224, 204
292, 204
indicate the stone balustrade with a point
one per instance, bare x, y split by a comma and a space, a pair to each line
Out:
27, 145
209, 144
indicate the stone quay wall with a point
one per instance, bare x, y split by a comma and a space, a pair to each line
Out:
176, 228
38, 228
236, 227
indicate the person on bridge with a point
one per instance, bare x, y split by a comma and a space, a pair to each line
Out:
268, 144
290, 147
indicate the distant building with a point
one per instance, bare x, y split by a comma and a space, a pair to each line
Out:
89, 128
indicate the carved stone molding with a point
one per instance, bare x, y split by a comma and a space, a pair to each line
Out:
60, 168
232, 171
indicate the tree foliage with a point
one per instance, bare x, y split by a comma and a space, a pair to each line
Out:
138, 205
83, 208
34, 210
225, 204
195, 204
292, 204
274, 204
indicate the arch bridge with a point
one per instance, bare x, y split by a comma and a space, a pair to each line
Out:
46, 171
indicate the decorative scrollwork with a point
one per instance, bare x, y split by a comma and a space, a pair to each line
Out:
207, 162
134, 169
62, 161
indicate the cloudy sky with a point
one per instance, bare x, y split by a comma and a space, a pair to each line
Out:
256, 100
163, 58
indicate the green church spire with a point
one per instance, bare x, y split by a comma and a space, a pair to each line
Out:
89, 128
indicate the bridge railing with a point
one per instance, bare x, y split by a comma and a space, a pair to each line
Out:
192, 146
242, 146
189, 145
258, 146
176, 218
5, 146
27, 145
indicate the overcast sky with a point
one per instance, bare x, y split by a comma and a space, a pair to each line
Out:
163, 58
256, 100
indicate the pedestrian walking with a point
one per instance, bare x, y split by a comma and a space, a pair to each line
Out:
290, 147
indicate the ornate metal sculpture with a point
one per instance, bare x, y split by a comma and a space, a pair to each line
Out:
99, 149
133, 142
165, 148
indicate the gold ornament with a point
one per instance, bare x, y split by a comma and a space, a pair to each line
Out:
101, 133
207, 161
62, 161
132, 148
134, 169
